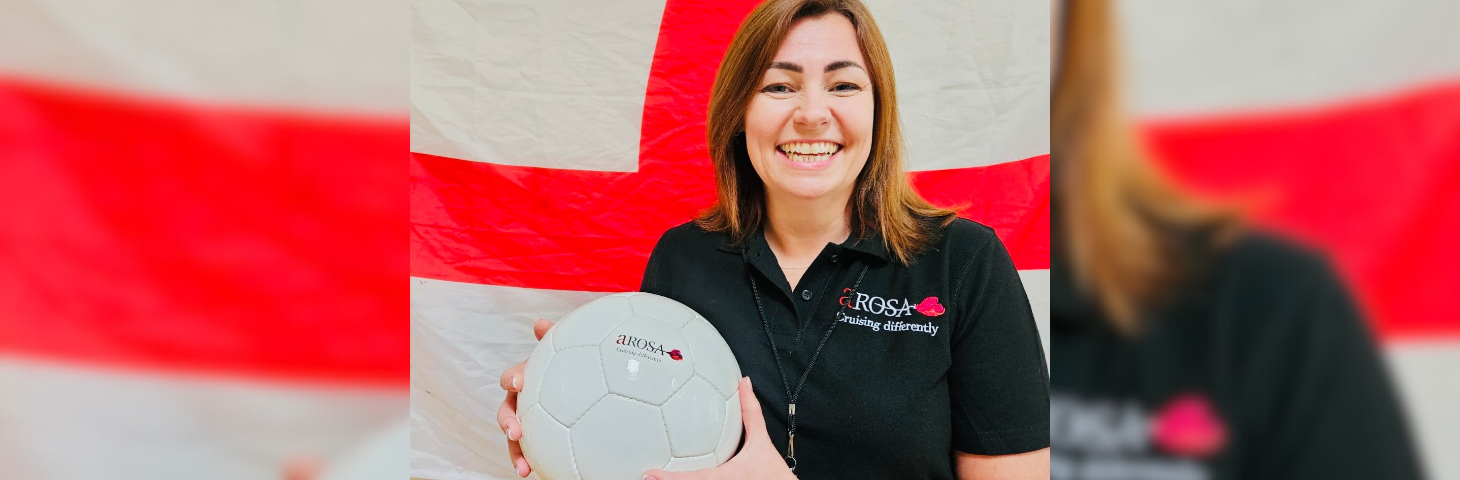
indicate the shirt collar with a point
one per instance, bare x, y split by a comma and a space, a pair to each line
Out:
870, 245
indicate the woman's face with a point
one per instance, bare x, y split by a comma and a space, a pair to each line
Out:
809, 127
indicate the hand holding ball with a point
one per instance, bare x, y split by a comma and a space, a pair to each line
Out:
629, 383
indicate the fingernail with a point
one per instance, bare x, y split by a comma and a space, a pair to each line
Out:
512, 434
648, 477
521, 470
514, 383
747, 381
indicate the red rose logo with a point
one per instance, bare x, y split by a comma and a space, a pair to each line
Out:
675, 354
1188, 426
930, 307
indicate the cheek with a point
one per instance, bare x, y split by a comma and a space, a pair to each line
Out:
764, 117
866, 115
857, 119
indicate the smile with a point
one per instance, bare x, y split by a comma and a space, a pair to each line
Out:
809, 152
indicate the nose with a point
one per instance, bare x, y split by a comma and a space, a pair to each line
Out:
813, 111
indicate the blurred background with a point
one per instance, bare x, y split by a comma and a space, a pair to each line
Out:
202, 254
1338, 125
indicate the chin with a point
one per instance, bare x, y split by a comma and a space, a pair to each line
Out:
808, 190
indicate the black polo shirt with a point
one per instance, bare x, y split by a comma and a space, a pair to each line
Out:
928, 358
1259, 368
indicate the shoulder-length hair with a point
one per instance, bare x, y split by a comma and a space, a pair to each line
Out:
882, 200
1128, 233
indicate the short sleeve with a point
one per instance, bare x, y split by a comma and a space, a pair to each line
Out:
654, 280
1335, 413
998, 379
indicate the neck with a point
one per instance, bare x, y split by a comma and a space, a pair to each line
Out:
798, 229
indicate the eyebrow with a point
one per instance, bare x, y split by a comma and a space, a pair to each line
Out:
833, 66
842, 64
786, 66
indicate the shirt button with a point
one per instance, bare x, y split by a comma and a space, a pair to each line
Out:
806, 295
833, 258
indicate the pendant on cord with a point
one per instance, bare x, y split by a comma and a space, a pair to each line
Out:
791, 438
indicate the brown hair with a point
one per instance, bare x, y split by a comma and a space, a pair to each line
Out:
882, 199
1128, 232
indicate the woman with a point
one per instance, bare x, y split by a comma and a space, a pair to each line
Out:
886, 338
1189, 347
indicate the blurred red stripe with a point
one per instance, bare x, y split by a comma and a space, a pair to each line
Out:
159, 234
1372, 181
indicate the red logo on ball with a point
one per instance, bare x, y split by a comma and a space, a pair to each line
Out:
675, 354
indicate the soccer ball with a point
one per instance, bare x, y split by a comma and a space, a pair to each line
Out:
628, 383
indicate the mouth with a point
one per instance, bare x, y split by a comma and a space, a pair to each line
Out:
809, 154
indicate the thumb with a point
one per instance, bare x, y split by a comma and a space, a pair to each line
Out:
663, 475
540, 327
750, 413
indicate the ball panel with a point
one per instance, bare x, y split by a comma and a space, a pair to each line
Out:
588, 324
619, 439
547, 446
537, 362
730, 435
650, 305
695, 418
713, 359
646, 359
572, 382
686, 464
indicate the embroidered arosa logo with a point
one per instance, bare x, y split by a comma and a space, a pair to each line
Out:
1188, 426
648, 346
930, 307
892, 307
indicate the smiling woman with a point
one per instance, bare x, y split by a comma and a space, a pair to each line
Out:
798, 83
936, 368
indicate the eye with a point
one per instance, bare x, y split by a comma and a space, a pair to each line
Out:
778, 89
846, 87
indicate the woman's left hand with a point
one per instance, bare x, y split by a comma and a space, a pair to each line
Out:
758, 458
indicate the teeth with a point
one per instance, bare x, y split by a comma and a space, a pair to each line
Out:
796, 157
806, 148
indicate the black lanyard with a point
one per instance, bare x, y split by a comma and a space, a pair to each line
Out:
791, 396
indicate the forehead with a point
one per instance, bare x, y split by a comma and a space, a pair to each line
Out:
824, 39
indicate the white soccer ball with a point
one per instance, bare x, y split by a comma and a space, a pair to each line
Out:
628, 383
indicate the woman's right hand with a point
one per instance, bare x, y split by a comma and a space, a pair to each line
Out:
507, 413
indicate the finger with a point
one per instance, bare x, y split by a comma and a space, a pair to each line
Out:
511, 380
540, 327
663, 475
507, 418
750, 413
519, 462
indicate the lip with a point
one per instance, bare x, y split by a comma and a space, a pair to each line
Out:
822, 165
808, 140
